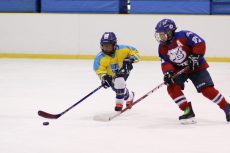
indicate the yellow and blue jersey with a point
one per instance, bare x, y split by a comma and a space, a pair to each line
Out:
105, 64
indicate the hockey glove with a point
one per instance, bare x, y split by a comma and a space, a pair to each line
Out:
193, 61
106, 81
168, 78
128, 64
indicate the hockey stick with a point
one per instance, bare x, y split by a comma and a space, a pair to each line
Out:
143, 97
56, 116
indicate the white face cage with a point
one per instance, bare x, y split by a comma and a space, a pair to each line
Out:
161, 37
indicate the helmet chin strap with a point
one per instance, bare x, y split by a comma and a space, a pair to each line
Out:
170, 37
169, 41
109, 53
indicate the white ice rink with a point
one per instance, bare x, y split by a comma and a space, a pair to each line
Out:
151, 126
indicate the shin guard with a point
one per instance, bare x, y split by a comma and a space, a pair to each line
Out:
119, 85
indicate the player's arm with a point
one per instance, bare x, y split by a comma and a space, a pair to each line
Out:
99, 67
133, 57
101, 71
198, 50
197, 43
134, 54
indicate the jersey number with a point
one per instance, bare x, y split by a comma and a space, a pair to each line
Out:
115, 67
196, 40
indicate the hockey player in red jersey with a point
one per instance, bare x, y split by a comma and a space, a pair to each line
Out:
181, 49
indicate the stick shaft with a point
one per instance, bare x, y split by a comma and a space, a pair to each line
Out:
147, 94
56, 116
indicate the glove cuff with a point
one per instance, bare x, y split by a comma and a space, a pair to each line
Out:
194, 56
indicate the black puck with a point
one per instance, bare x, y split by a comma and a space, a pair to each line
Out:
45, 123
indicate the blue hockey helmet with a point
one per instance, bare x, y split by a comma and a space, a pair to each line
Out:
164, 31
108, 43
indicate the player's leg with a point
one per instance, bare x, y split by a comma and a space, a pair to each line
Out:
175, 92
119, 88
122, 93
129, 95
204, 84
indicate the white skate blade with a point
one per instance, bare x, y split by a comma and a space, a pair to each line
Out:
105, 117
188, 121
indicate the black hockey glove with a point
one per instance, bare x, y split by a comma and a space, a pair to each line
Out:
128, 64
106, 81
168, 78
193, 61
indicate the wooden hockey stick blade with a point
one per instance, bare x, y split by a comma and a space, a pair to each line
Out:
47, 115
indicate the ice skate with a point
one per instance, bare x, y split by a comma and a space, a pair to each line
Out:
188, 117
129, 103
118, 107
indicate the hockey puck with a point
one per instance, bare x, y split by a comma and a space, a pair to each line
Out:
45, 123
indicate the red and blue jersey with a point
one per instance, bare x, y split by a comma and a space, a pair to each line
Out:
174, 56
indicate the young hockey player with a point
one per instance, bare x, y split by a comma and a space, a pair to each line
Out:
113, 64
181, 49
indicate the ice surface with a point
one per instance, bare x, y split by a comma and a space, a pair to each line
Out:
151, 126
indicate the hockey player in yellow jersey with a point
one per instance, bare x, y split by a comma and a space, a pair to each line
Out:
113, 65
